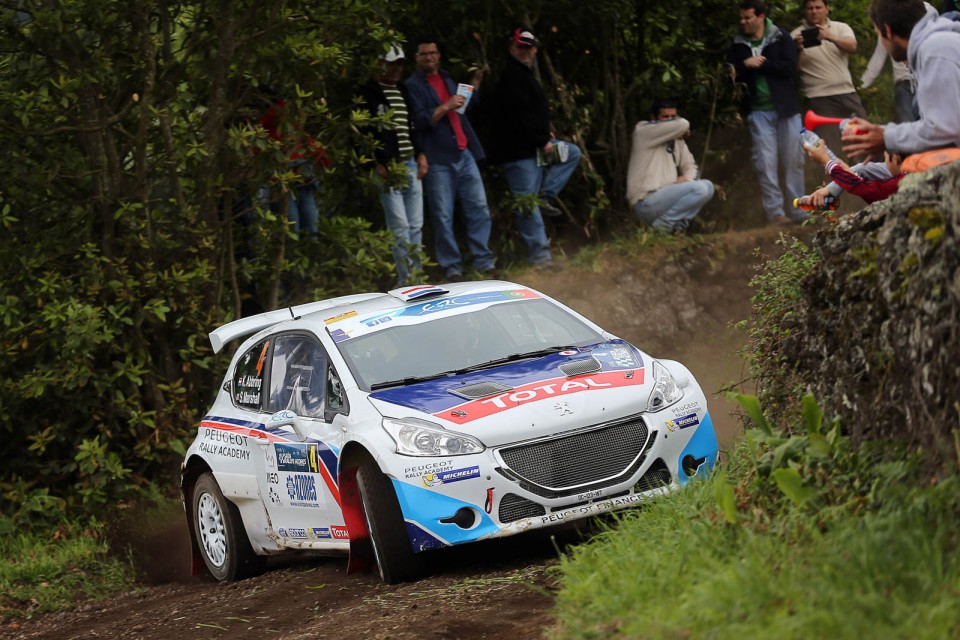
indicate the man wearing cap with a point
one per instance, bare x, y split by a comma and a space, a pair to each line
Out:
453, 150
534, 162
401, 192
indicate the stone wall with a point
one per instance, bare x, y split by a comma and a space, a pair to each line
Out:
879, 338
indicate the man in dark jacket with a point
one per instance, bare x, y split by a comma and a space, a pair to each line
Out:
402, 202
453, 150
534, 162
765, 59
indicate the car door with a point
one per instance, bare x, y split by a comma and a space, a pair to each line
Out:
300, 474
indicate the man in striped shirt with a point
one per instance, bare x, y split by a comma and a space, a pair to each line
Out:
399, 163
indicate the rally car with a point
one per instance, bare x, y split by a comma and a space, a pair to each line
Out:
384, 425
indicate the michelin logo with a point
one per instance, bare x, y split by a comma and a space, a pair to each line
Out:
454, 475
683, 422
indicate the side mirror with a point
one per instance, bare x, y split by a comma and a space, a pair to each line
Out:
287, 418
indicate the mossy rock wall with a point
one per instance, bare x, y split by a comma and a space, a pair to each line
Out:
879, 337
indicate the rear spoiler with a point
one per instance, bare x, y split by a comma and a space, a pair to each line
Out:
248, 326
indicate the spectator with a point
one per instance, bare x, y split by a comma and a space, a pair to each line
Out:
765, 59
663, 188
534, 162
453, 150
904, 96
913, 32
824, 67
871, 190
402, 202
305, 155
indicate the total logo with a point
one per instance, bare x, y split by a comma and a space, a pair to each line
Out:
340, 533
536, 391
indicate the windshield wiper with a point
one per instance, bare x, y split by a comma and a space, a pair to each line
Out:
513, 357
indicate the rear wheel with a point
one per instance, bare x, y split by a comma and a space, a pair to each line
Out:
395, 558
221, 537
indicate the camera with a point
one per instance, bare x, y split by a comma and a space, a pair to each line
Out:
811, 37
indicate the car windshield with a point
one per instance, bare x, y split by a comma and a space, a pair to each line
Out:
447, 343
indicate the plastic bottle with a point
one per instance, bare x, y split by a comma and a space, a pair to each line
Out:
804, 203
810, 139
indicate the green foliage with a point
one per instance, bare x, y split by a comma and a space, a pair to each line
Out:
799, 536
778, 290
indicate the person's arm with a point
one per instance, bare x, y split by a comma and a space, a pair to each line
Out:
783, 62
844, 39
875, 66
659, 132
686, 165
938, 94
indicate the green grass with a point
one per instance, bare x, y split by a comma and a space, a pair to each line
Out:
56, 569
678, 569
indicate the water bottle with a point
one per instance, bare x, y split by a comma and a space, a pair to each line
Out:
805, 203
810, 139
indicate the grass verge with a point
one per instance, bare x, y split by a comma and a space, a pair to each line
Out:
53, 570
873, 554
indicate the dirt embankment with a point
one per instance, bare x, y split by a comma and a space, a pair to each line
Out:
676, 304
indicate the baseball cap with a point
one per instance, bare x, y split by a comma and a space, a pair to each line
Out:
522, 36
395, 53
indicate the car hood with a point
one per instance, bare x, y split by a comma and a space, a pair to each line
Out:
529, 399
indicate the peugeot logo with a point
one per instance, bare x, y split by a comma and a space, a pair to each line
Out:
563, 408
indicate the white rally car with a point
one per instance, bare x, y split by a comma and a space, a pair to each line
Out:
387, 424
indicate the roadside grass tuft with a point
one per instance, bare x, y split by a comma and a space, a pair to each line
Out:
870, 552
53, 570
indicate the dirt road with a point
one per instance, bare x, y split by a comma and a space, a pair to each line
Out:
676, 305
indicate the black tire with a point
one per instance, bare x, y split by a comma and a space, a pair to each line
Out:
392, 551
220, 534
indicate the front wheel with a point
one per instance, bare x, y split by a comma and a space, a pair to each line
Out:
220, 534
395, 558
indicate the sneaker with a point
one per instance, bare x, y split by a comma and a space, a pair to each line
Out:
548, 208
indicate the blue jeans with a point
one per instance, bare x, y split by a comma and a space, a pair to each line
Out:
302, 208
525, 177
459, 180
671, 208
776, 141
403, 212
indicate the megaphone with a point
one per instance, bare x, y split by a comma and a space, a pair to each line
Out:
811, 120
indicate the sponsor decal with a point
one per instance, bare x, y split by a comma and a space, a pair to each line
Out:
320, 533
622, 356
271, 459
340, 533
302, 490
275, 497
419, 470
683, 422
589, 509
227, 437
683, 409
376, 321
282, 532
338, 318
339, 335
569, 353
297, 457
224, 451
297, 533
273, 478
536, 391
453, 475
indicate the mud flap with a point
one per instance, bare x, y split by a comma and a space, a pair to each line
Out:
361, 552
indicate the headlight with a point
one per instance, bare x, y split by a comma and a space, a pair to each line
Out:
416, 437
665, 392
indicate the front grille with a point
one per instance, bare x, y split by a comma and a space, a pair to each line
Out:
658, 475
580, 462
480, 390
580, 367
514, 507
